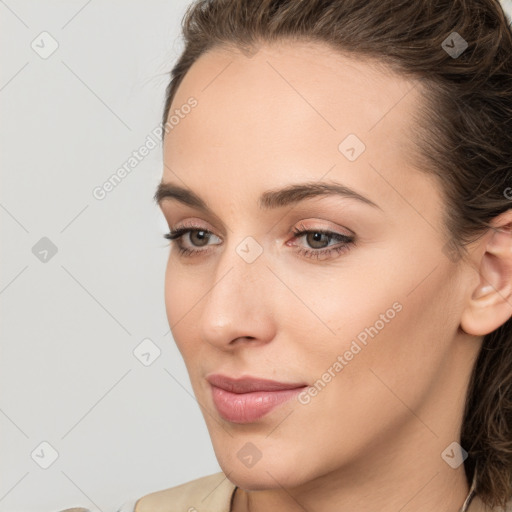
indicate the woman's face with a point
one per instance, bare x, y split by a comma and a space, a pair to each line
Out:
366, 316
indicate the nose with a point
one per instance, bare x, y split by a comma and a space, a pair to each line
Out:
239, 307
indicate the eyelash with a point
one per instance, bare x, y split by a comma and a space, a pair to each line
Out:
346, 241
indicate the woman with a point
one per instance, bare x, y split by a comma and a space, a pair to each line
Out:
337, 185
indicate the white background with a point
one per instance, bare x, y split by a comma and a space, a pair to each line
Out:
69, 325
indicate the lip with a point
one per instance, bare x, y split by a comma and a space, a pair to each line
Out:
247, 399
248, 384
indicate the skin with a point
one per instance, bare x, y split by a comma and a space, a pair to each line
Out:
372, 438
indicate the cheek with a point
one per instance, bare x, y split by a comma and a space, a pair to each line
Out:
360, 300
186, 294
390, 340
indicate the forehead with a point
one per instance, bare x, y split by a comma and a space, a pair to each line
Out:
282, 113
297, 75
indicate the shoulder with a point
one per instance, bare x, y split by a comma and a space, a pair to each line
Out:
211, 493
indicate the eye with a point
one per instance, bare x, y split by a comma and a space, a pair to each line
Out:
318, 238
197, 234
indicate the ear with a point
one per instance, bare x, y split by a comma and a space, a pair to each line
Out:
490, 302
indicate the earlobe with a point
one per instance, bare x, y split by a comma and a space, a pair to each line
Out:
490, 302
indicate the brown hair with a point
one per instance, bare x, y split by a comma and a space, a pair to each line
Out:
464, 138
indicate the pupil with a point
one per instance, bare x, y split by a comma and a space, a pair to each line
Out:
317, 237
202, 236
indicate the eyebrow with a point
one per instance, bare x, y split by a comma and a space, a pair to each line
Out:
270, 199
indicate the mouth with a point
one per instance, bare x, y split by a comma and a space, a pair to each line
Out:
248, 399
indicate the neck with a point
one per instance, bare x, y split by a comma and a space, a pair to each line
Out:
437, 493
405, 477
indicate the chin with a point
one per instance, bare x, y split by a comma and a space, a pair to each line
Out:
265, 474
258, 480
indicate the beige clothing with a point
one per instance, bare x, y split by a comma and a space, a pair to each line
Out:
212, 493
